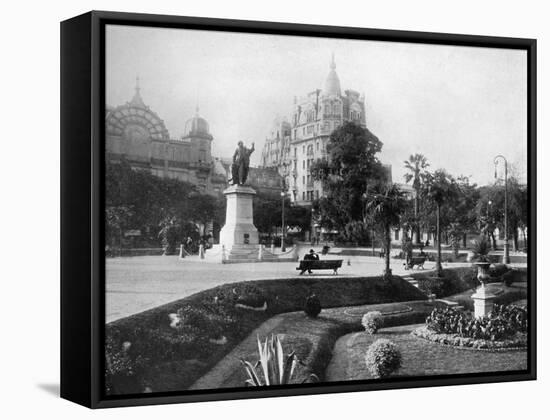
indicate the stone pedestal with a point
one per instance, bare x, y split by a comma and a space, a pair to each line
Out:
239, 229
483, 302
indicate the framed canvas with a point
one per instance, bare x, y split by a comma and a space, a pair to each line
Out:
256, 209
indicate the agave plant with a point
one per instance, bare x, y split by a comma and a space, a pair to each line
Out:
276, 368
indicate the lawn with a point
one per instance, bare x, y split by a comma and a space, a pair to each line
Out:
419, 357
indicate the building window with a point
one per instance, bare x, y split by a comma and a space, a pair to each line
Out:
317, 146
304, 147
294, 150
303, 164
303, 179
304, 195
396, 236
317, 194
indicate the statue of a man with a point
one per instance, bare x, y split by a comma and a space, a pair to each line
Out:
241, 163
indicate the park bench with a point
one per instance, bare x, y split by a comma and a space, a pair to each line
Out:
320, 265
418, 261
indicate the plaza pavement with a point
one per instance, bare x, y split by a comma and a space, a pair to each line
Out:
135, 284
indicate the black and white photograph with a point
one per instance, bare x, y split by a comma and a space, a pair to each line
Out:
286, 210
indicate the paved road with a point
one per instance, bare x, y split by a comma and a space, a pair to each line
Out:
135, 284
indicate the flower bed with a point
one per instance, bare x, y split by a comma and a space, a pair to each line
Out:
504, 328
517, 342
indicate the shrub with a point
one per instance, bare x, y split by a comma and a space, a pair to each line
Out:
432, 285
503, 322
498, 270
313, 306
372, 321
382, 358
508, 278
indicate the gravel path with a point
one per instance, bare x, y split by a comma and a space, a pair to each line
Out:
135, 284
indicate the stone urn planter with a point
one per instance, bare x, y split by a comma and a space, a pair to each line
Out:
483, 300
483, 272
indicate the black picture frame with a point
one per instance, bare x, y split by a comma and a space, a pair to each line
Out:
82, 198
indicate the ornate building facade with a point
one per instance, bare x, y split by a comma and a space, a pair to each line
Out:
138, 135
293, 146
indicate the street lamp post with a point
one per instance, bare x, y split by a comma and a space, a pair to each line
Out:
506, 256
283, 194
487, 220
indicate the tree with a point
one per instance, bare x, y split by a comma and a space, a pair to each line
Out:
117, 219
268, 217
417, 166
351, 168
490, 210
385, 206
168, 234
439, 188
153, 200
460, 212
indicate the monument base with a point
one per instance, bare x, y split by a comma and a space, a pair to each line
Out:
250, 253
239, 237
483, 302
239, 227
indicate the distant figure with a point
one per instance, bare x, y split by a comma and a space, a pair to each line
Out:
189, 244
312, 256
241, 164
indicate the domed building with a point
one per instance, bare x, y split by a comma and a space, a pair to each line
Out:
293, 147
136, 134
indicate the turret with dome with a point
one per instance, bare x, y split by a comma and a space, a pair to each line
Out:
197, 133
332, 83
197, 127
316, 115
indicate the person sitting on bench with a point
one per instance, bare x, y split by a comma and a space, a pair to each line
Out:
309, 257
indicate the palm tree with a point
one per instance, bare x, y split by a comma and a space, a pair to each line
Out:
416, 165
439, 188
385, 206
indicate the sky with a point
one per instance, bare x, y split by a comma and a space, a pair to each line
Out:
458, 106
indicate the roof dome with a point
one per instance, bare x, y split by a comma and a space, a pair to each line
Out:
332, 84
197, 127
